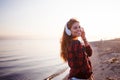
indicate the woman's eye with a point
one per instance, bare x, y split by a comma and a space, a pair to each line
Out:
75, 27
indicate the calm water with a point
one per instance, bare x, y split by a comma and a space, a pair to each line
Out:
29, 59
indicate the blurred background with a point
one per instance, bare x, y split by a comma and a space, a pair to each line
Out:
30, 32
41, 19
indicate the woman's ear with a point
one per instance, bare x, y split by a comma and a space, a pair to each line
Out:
68, 32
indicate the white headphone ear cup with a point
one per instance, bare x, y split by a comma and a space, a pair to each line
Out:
68, 32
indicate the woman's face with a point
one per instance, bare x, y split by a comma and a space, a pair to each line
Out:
75, 30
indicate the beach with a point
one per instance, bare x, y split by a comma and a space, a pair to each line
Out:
105, 60
36, 60
107, 64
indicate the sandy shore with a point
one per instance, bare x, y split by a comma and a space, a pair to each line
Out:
107, 64
105, 61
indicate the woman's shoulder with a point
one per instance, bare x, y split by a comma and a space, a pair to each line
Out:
75, 42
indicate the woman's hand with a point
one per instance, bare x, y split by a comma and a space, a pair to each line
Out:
83, 37
82, 33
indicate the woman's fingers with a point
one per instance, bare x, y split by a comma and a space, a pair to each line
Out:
82, 32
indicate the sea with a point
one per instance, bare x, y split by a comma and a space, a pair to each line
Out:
30, 59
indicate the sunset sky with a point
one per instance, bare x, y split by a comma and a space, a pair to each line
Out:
46, 18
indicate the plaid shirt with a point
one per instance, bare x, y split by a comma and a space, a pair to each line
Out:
78, 61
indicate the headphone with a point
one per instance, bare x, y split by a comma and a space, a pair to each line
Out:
68, 32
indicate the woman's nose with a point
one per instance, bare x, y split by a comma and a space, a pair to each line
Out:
78, 29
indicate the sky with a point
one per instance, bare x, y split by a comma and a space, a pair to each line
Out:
46, 18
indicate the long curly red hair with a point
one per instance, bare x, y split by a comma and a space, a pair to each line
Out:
66, 40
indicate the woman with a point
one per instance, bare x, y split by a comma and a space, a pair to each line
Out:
76, 54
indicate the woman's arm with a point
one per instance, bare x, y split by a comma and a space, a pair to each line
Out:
88, 50
85, 41
87, 46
